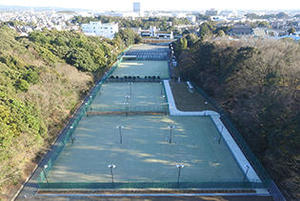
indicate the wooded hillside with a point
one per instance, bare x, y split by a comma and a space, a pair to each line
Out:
43, 79
257, 81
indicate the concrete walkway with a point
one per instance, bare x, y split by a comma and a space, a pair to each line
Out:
236, 151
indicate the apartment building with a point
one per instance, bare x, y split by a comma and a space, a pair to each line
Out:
107, 30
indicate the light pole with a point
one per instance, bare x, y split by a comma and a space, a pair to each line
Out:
127, 98
161, 88
73, 139
111, 167
44, 171
126, 103
130, 88
126, 107
221, 134
120, 133
165, 107
179, 166
171, 127
247, 170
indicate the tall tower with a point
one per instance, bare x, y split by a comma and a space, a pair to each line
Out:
137, 8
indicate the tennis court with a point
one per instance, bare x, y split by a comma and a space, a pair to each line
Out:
130, 96
145, 150
145, 154
122, 141
142, 69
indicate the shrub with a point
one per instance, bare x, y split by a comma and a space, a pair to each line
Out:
81, 59
22, 85
31, 76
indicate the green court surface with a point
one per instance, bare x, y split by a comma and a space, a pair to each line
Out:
142, 69
149, 48
145, 154
125, 125
144, 148
132, 96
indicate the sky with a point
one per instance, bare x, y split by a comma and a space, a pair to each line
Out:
161, 4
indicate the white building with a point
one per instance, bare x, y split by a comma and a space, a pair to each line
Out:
107, 30
155, 33
191, 18
211, 12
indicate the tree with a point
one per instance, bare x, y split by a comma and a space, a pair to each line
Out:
22, 85
138, 39
185, 32
257, 82
205, 30
221, 33
31, 76
282, 15
252, 16
128, 36
183, 43
264, 24
191, 39
81, 59
291, 30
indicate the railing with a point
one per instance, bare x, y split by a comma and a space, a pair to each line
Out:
259, 169
65, 135
161, 108
158, 185
135, 79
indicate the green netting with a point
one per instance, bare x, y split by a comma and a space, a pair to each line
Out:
67, 132
160, 185
146, 159
132, 97
209, 164
259, 169
161, 108
142, 69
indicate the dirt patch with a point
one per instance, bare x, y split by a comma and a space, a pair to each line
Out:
189, 99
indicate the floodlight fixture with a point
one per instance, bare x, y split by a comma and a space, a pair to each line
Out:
172, 126
43, 169
111, 167
73, 139
179, 166
246, 171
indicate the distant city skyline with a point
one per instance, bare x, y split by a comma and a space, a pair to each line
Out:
126, 5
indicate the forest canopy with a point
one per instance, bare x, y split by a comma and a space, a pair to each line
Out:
43, 78
257, 81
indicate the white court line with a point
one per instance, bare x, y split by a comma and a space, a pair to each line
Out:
190, 85
236, 151
155, 195
175, 112
234, 148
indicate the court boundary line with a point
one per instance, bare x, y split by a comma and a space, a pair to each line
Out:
156, 195
175, 112
243, 162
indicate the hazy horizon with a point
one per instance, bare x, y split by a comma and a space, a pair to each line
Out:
126, 5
